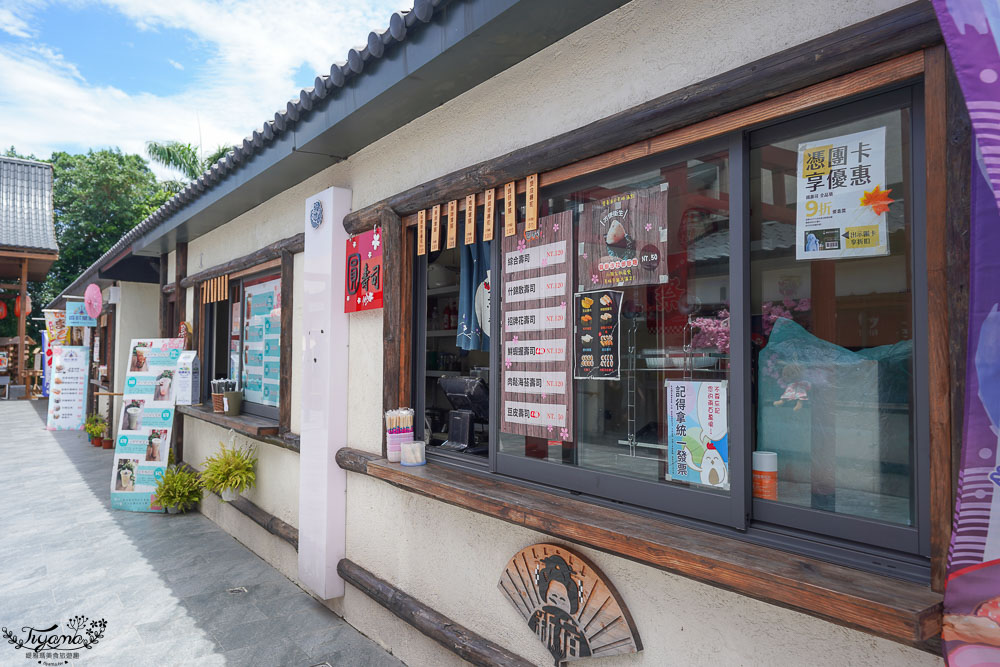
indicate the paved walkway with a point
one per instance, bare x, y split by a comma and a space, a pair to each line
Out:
164, 584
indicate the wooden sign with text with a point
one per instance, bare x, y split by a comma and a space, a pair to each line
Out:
452, 223
436, 228
489, 213
569, 604
470, 219
422, 232
531, 203
509, 210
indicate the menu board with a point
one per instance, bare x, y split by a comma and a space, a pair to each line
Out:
841, 201
145, 425
698, 432
623, 240
68, 389
536, 370
597, 340
4, 362
261, 341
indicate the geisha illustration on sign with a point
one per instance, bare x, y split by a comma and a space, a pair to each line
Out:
568, 604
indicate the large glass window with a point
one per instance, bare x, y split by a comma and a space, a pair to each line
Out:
729, 332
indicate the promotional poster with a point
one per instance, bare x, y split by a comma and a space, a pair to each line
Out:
698, 432
68, 388
261, 341
145, 424
597, 339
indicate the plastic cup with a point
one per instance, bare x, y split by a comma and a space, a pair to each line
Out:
412, 453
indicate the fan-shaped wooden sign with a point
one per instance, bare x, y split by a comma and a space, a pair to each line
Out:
569, 604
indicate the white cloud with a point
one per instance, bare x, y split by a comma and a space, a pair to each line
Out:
46, 104
175, 64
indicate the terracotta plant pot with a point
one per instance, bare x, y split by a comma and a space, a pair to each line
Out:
96, 442
108, 443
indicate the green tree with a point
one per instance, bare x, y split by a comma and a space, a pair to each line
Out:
184, 158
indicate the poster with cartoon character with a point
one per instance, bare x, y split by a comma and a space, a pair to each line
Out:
698, 432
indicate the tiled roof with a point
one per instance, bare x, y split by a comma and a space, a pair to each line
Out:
26, 205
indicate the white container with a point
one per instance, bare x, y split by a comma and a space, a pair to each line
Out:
187, 387
412, 453
229, 495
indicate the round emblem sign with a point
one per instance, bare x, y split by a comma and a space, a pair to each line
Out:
649, 258
316, 214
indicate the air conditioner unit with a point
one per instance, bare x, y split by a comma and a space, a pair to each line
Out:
114, 294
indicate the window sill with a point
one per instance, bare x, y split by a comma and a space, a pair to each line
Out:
258, 428
898, 610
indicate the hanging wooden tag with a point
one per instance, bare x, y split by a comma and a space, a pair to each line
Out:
422, 232
489, 213
509, 212
436, 228
452, 223
470, 219
531, 203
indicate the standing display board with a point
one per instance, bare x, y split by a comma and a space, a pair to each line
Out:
623, 240
537, 369
261, 341
146, 423
68, 388
841, 201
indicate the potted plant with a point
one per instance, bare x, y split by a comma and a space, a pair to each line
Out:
179, 489
95, 425
106, 441
231, 471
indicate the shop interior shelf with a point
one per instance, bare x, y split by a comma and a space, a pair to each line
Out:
441, 333
442, 374
438, 291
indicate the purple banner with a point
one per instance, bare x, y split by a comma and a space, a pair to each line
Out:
971, 630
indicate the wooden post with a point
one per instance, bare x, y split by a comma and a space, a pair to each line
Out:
180, 272
21, 333
392, 308
164, 311
285, 358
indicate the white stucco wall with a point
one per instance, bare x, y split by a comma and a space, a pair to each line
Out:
451, 558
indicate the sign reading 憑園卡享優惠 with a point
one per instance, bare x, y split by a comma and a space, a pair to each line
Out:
146, 423
364, 279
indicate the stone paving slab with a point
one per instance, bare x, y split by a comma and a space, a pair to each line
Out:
160, 581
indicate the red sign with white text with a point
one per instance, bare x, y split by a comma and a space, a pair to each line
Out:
364, 278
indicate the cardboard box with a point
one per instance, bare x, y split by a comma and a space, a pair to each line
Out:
188, 390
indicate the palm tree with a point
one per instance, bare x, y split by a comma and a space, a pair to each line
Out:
183, 157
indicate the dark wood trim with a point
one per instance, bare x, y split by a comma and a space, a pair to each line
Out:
393, 299
262, 518
884, 37
259, 428
292, 244
180, 272
285, 354
939, 375
453, 636
164, 298
408, 253
899, 610
169, 288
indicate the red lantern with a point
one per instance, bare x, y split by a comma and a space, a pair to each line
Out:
17, 306
3, 310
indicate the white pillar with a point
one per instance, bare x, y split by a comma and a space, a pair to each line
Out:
322, 483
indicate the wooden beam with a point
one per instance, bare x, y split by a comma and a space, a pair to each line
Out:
180, 272
899, 610
935, 146
884, 37
23, 254
455, 637
22, 362
393, 298
293, 244
287, 344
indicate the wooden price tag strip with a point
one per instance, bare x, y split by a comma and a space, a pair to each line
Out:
470, 219
422, 232
509, 211
489, 213
531, 203
452, 223
436, 228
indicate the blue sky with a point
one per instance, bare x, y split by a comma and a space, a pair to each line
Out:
85, 74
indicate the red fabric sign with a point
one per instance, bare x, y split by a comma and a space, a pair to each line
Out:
364, 276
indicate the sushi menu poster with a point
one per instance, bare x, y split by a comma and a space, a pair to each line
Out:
597, 344
536, 371
623, 240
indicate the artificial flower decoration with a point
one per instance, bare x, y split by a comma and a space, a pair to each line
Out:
878, 199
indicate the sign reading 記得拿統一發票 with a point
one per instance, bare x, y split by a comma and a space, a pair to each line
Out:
145, 425
569, 605
842, 204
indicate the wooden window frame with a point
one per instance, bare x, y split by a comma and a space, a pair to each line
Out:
946, 210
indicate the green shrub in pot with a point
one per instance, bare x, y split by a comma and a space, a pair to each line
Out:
179, 489
231, 471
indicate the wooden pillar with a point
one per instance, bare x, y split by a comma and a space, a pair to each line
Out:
180, 272
165, 323
285, 358
392, 308
21, 332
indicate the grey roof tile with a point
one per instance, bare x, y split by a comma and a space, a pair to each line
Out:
26, 205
